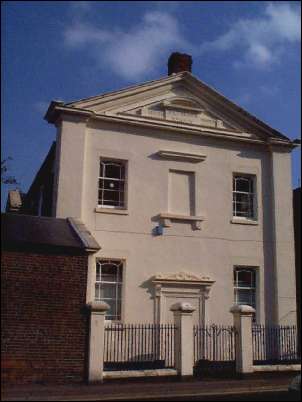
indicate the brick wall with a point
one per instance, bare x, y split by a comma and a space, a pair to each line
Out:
43, 317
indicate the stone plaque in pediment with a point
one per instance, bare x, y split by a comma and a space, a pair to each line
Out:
155, 111
180, 112
182, 116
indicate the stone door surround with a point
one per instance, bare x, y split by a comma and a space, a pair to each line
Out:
183, 286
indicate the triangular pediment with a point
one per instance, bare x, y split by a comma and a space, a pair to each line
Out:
180, 110
182, 101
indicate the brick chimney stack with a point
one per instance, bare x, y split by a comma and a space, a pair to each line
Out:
179, 62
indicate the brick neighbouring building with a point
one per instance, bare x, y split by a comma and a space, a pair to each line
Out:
43, 296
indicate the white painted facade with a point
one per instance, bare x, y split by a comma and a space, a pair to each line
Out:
181, 143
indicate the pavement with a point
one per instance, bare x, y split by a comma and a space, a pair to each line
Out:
167, 389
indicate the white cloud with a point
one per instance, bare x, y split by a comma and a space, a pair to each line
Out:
261, 53
285, 21
261, 40
139, 51
134, 53
82, 34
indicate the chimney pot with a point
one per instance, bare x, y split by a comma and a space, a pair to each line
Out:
179, 62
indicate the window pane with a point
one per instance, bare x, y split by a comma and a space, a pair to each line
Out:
108, 291
112, 185
120, 273
109, 273
113, 170
102, 169
112, 203
119, 291
119, 310
112, 309
113, 198
246, 297
243, 184
111, 195
242, 209
243, 204
244, 279
97, 291
242, 198
98, 272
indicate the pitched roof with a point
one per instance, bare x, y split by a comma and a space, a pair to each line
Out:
45, 167
27, 230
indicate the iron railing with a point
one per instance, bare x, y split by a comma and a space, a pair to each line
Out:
214, 343
139, 346
275, 344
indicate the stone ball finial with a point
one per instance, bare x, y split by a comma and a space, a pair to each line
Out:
242, 309
98, 306
183, 307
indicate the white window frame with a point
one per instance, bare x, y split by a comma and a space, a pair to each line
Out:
252, 289
98, 282
122, 202
252, 194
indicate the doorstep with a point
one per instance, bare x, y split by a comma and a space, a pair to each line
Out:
139, 373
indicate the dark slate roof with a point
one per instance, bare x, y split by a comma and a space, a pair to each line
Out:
28, 230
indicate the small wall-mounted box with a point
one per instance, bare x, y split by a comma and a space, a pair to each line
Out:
159, 230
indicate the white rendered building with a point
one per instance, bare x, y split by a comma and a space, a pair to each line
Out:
188, 195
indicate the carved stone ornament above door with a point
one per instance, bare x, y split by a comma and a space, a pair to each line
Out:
182, 276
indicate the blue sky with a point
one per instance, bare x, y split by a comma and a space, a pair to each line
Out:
248, 51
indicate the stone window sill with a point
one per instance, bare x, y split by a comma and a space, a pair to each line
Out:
241, 221
182, 155
166, 219
111, 211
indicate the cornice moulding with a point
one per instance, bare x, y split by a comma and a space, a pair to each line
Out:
177, 128
53, 115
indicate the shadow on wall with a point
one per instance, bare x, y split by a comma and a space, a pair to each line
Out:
149, 286
270, 291
269, 273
